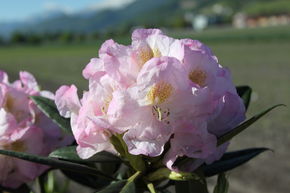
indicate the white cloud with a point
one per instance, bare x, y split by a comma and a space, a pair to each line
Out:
112, 4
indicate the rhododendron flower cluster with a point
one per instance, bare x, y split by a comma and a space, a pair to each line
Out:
154, 92
24, 128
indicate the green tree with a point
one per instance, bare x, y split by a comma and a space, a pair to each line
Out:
18, 38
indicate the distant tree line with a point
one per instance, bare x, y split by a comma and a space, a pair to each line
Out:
23, 38
67, 37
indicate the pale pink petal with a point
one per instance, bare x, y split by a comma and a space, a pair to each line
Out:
121, 107
47, 94
95, 65
67, 101
230, 113
7, 122
166, 46
28, 81
3, 77
141, 34
217, 154
147, 138
192, 140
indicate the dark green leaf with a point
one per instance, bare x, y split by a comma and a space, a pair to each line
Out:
228, 136
86, 179
231, 160
60, 164
165, 173
114, 187
66, 153
48, 107
22, 189
151, 188
130, 186
136, 161
191, 186
245, 93
122, 172
69, 153
222, 184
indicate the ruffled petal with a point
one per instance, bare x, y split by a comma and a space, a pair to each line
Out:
67, 101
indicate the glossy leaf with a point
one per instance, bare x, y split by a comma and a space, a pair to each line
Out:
228, 136
66, 153
22, 189
151, 188
231, 160
48, 107
60, 164
191, 186
114, 187
130, 186
222, 184
86, 179
136, 161
165, 173
69, 153
245, 93
122, 186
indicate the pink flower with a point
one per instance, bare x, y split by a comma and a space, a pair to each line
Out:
156, 90
24, 128
90, 127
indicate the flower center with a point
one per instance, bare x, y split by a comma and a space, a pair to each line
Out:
159, 93
146, 54
9, 103
11, 107
106, 104
156, 53
198, 77
15, 146
161, 114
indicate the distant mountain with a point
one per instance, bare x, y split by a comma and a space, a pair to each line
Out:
6, 28
138, 13
51, 14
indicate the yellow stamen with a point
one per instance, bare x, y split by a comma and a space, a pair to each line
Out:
198, 77
156, 53
106, 104
144, 55
9, 104
159, 93
15, 146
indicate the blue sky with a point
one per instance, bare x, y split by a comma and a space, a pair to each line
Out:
15, 10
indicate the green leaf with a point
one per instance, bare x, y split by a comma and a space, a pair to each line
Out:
69, 153
130, 186
122, 186
231, 160
22, 189
48, 107
151, 188
86, 179
66, 153
191, 186
245, 93
228, 136
165, 173
222, 184
135, 161
60, 164
114, 187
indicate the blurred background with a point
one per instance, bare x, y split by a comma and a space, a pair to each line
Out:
54, 40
